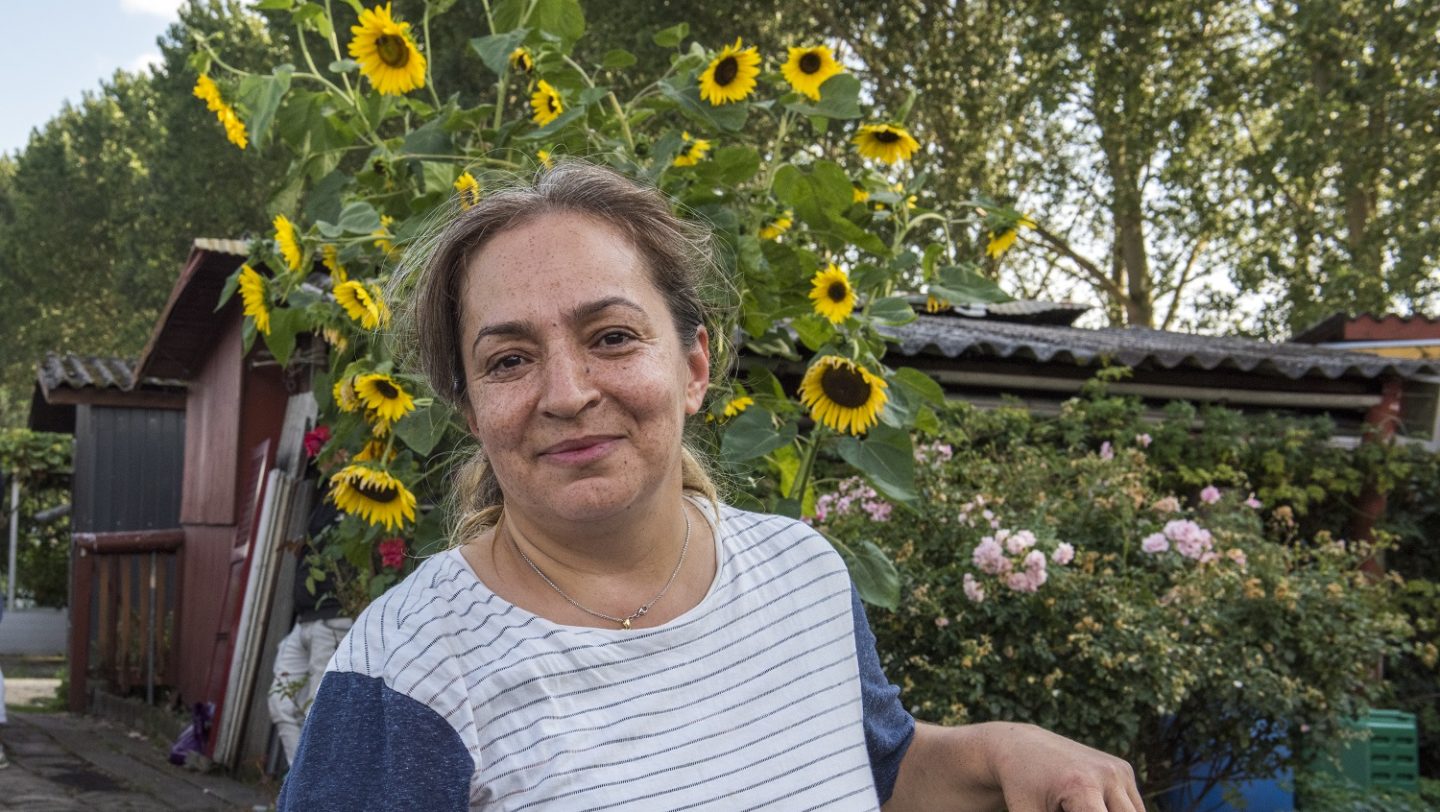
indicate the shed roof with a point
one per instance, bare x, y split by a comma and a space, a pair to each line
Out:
183, 334
64, 380
1370, 327
953, 337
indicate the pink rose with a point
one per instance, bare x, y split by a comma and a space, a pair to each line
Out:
1155, 543
1143, 440
315, 439
1252, 502
973, 590
1210, 495
1107, 452
392, 553
990, 557
1064, 554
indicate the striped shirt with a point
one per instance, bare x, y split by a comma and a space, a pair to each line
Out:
767, 694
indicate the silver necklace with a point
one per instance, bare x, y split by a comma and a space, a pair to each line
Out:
623, 621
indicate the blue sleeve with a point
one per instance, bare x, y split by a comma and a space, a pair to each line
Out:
888, 726
366, 746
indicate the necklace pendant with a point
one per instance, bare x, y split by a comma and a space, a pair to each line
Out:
625, 624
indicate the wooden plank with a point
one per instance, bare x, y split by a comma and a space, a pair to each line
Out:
82, 578
132, 541
105, 621
123, 661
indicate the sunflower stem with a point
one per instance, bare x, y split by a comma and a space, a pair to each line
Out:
430, 61
335, 48
807, 465
348, 94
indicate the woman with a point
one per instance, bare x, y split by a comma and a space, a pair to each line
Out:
606, 634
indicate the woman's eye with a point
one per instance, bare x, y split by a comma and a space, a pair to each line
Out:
615, 338
506, 363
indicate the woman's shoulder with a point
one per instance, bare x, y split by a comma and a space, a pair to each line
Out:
404, 627
769, 537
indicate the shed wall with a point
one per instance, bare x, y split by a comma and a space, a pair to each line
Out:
129, 468
212, 433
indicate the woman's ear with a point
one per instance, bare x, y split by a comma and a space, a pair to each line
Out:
697, 361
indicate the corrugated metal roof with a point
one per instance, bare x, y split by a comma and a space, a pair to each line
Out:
91, 372
1135, 347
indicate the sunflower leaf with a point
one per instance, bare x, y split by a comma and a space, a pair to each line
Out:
685, 91
562, 18
359, 217
839, 99
892, 310
921, 384
671, 37
285, 322
962, 285
231, 283
887, 459
423, 428
752, 434
873, 574
261, 96
617, 59
495, 49
813, 330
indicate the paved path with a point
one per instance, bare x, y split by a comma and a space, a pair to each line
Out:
65, 763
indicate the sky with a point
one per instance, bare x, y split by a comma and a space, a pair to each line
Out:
57, 49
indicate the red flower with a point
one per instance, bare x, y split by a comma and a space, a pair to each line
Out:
392, 553
315, 439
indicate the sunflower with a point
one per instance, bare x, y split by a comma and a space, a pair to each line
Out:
692, 150
252, 295
831, 292
731, 75
387, 55
206, 91
383, 234
344, 394
521, 60
288, 241
546, 103
808, 68
384, 396
934, 304
1000, 241
885, 142
776, 226
858, 192
736, 405
330, 258
468, 189
545, 159
843, 395
362, 304
335, 338
373, 495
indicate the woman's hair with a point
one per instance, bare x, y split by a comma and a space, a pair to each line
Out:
678, 254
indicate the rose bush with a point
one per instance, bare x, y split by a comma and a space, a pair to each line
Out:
1066, 584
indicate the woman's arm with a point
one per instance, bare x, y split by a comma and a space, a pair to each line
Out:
1000, 765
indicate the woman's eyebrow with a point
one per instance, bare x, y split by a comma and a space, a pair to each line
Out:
504, 328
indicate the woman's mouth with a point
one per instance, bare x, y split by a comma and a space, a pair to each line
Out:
580, 450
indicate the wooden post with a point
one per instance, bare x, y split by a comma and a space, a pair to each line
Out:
81, 581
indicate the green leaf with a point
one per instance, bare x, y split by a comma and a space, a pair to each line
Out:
839, 99
562, 19
261, 95
685, 91
313, 17
892, 310
359, 217
814, 331
344, 66
285, 323
672, 36
438, 176
962, 285
873, 574
752, 434
274, 5
423, 428
887, 459
495, 49
438, 7
735, 164
617, 59
815, 194
920, 384
231, 283
430, 139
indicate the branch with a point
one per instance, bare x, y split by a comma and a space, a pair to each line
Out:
1195, 250
1111, 289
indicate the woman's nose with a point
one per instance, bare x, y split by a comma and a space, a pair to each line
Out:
568, 388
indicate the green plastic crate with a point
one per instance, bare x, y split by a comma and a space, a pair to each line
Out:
1388, 760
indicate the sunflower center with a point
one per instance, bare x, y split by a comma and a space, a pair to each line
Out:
837, 291
552, 104
810, 63
393, 50
887, 136
845, 386
386, 390
377, 493
726, 71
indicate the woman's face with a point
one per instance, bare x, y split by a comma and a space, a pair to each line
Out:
578, 383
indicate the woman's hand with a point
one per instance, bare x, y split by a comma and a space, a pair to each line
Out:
1000, 765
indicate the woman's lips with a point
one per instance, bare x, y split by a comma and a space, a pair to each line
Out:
579, 451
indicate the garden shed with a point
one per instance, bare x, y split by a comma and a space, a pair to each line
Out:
245, 416
124, 520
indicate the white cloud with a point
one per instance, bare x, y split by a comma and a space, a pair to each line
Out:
145, 62
158, 8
